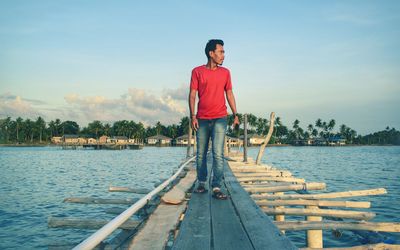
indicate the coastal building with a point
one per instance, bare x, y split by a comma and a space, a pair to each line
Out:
160, 140
56, 139
336, 140
82, 140
70, 139
118, 140
184, 140
254, 139
91, 141
233, 141
103, 139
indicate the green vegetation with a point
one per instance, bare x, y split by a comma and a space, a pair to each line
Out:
39, 132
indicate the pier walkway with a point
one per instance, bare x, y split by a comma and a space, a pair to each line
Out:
236, 223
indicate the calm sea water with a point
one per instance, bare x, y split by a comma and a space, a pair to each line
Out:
34, 182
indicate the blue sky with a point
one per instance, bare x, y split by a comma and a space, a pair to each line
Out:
113, 60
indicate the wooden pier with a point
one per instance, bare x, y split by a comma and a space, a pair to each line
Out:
261, 198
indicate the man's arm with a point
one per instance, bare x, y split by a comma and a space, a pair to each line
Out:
192, 101
232, 103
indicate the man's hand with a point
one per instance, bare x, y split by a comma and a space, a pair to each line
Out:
194, 123
236, 121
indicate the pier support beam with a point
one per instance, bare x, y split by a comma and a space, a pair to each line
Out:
314, 237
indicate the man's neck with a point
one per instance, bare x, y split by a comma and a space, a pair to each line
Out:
211, 65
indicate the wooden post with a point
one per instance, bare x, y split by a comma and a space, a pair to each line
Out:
245, 139
262, 147
314, 237
280, 217
189, 139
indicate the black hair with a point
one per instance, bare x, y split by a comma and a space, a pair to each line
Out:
212, 45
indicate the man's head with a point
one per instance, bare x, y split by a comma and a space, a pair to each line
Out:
215, 51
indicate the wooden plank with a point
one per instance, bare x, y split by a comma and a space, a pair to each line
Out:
129, 190
261, 231
177, 194
320, 212
197, 224
224, 219
321, 203
164, 219
294, 187
333, 195
264, 174
263, 171
327, 225
87, 223
271, 178
379, 246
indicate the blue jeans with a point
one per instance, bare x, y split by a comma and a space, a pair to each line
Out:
214, 129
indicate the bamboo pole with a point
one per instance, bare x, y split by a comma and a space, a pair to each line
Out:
246, 167
333, 195
266, 174
322, 203
280, 217
89, 200
260, 172
320, 212
271, 178
342, 225
129, 190
87, 223
267, 138
314, 237
304, 186
379, 246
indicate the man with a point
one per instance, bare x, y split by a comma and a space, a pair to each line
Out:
212, 82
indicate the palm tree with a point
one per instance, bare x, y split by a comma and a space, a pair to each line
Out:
40, 125
310, 129
18, 123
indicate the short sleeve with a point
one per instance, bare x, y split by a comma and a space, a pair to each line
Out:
228, 84
194, 82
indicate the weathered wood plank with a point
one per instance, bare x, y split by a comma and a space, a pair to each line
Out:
320, 212
324, 225
379, 246
224, 219
261, 231
164, 219
177, 194
129, 190
271, 178
321, 203
197, 224
282, 188
264, 174
333, 195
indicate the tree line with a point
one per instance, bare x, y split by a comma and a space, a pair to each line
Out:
39, 131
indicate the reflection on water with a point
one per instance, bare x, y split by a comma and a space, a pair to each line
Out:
36, 180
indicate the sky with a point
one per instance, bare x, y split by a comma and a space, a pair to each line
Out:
132, 60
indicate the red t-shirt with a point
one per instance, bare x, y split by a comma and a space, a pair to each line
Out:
211, 86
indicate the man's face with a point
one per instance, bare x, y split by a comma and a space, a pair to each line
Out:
218, 55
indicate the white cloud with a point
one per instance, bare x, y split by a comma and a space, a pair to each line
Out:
136, 104
14, 106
